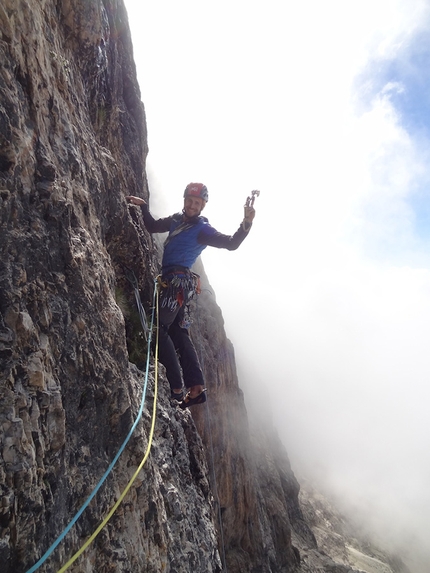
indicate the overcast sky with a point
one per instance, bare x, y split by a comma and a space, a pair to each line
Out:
324, 107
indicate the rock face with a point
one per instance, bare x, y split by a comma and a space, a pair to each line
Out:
213, 495
341, 540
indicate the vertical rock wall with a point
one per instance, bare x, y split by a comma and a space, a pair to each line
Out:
254, 504
73, 143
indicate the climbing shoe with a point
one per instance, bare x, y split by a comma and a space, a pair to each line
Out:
178, 397
188, 401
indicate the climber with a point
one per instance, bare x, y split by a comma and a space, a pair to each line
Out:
189, 234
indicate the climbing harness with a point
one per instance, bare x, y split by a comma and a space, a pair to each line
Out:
51, 549
180, 286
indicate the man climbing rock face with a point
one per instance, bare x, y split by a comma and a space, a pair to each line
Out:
189, 234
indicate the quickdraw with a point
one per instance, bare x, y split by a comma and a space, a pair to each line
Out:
134, 282
250, 200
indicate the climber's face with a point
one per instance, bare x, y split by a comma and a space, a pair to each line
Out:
193, 206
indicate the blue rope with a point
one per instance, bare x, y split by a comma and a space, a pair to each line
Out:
107, 472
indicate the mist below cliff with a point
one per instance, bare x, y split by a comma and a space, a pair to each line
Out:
374, 473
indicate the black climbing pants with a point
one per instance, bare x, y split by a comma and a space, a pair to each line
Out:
176, 350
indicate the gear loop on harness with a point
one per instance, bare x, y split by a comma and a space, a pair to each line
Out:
179, 287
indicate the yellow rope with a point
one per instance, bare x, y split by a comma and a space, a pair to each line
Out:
130, 483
